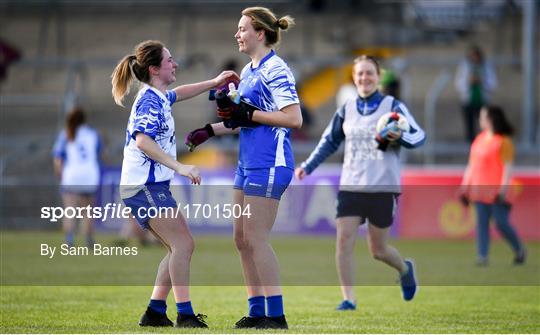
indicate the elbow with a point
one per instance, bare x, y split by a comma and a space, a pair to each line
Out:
140, 142
296, 123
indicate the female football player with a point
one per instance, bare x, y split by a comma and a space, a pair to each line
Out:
370, 179
150, 163
266, 162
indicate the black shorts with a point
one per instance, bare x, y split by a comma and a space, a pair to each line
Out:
379, 208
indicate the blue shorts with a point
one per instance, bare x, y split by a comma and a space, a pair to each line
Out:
265, 182
155, 195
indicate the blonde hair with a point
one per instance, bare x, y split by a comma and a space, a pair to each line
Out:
369, 59
146, 53
264, 19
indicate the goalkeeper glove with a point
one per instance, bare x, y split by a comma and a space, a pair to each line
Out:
198, 137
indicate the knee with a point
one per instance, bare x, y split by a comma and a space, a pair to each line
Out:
185, 247
378, 253
345, 243
253, 241
240, 242
502, 225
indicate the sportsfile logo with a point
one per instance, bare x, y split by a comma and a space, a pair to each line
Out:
110, 210
117, 211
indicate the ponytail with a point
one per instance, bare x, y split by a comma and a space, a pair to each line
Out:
122, 78
74, 119
137, 65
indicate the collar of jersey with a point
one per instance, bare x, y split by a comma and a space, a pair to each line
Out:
265, 58
368, 105
158, 92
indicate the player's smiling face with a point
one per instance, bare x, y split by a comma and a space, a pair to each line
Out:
365, 78
246, 36
167, 70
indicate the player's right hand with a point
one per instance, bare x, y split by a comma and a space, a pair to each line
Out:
190, 171
225, 113
464, 199
463, 196
225, 77
198, 136
300, 173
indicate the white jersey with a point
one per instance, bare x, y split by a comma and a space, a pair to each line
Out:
80, 157
151, 114
365, 168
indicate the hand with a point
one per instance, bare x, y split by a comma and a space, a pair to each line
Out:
198, 136
464, 199
393, 135
463, 196
190, 171
473, 80
240, 115
501, 198
225, 113
225, 77
240, 112
300, 173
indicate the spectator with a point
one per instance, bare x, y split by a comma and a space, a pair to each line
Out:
486, 181
475, 81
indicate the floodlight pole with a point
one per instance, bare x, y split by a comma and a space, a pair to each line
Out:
530, 71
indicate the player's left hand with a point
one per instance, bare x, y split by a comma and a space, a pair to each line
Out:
241, 115
226, 77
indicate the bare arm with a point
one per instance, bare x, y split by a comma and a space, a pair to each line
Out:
507, 172
58, 164
465, 182
147, 145
188, 91
220, 129
289, 117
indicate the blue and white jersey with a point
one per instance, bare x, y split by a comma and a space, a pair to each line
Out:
270, 87
80, 159
151, 114
365, 168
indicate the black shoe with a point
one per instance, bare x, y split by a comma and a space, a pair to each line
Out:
248, 322
152, 318
277, 322
191, 321
520, 257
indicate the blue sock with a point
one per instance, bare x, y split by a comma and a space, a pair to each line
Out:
184, 308
69, 239
158, 306
256, 306
274, 305
90, 242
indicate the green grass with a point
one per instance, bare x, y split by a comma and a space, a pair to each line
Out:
456, 297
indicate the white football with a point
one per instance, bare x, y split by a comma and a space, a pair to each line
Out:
402, 123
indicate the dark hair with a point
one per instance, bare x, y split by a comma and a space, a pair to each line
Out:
74, 119
369, 59
264, 19
498, 120
476, 50
147, 53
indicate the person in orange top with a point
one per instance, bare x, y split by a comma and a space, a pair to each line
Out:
486, 182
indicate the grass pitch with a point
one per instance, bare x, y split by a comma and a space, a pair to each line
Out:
496, 299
